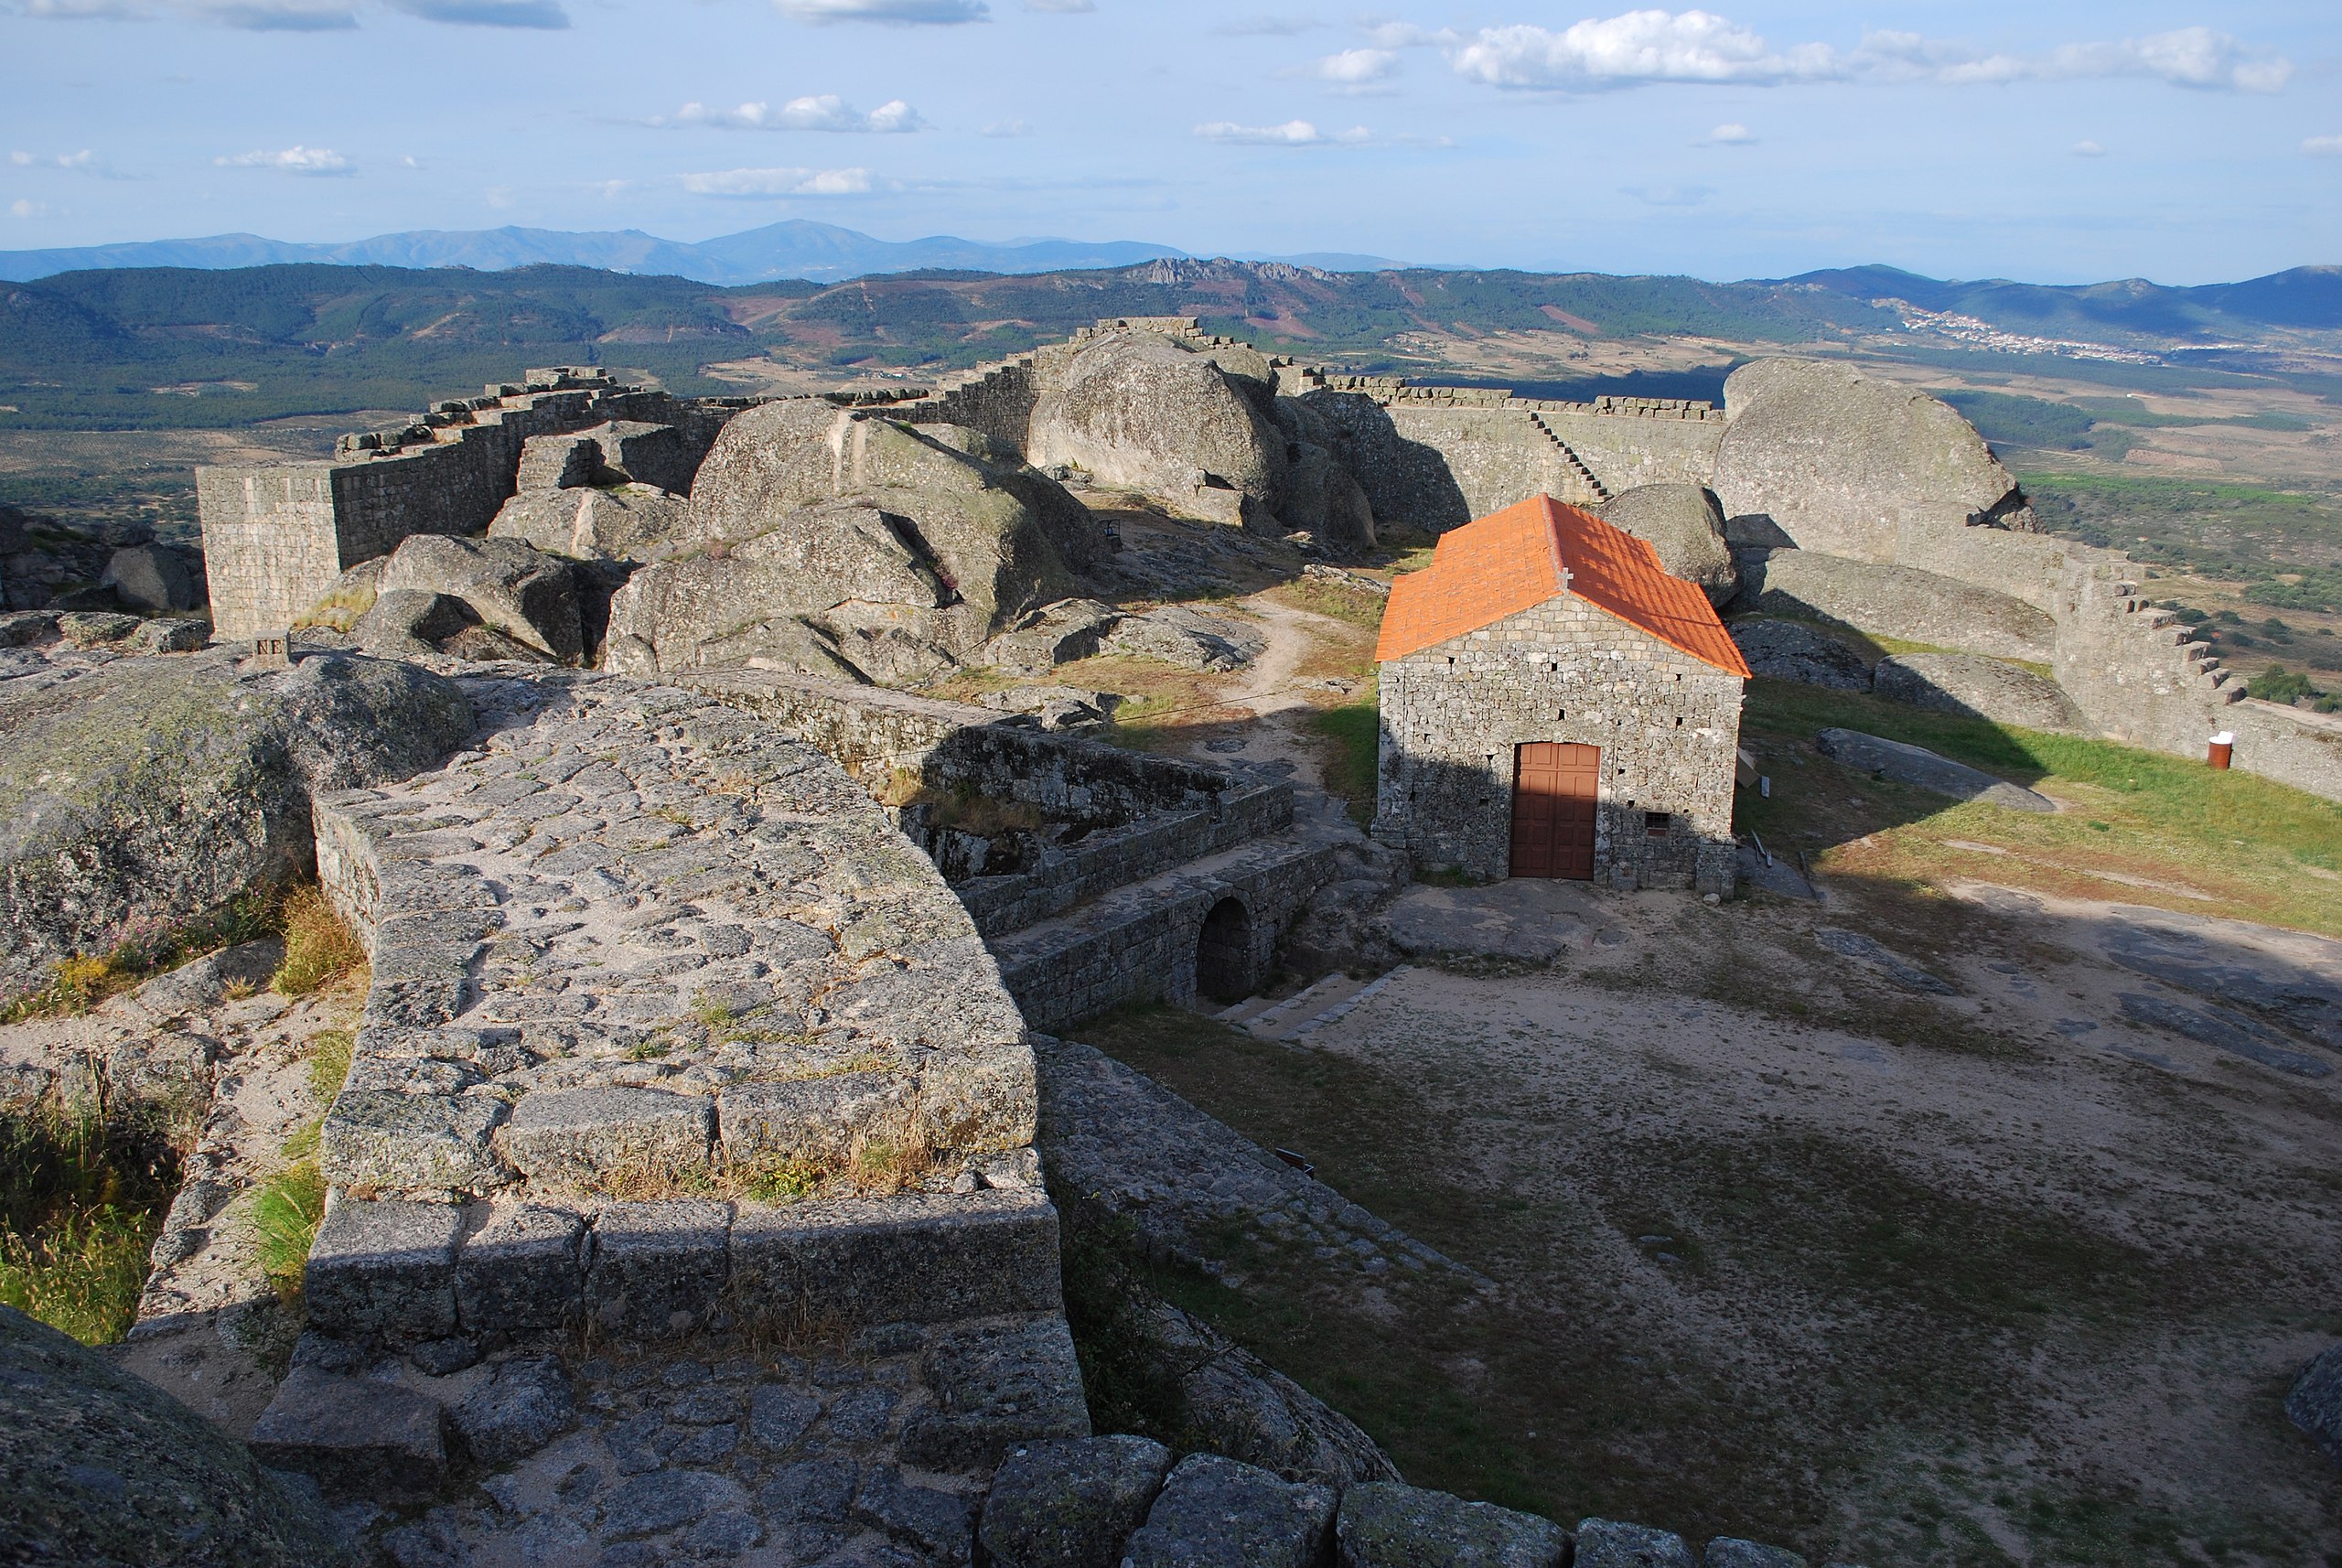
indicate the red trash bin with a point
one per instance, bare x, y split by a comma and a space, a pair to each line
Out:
2220, 750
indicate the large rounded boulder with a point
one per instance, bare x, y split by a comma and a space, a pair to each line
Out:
1141, 412
101, 1469
1684, 525
841, 542
625, 522
1854, 467
510, 587
149, 792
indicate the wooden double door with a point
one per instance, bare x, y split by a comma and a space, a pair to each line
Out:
1556, 792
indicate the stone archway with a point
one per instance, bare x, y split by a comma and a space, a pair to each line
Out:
1225, 969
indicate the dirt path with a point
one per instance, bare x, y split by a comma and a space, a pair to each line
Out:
2015, 1274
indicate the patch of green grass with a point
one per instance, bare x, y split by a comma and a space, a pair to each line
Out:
82, 1196
329, 1062
1358, 606
1352, 761
285, 1219
2188, 801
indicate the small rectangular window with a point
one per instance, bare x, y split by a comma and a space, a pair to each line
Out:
1655, 823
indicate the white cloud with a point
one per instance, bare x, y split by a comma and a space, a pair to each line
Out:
780, 182
292, 160
826, 112
1640, 47
23, 209
2089, 150
1357, 68
1292, 133
907, 13
2323, 146
1062, 7
1007, 128
1733, 135
84, 162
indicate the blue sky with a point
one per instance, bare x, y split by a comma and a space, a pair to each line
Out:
2178, 140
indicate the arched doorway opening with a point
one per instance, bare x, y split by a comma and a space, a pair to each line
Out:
1224, 953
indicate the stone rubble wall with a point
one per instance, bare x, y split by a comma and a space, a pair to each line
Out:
1666, 725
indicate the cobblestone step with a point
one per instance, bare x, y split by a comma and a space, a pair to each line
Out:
1285, 1019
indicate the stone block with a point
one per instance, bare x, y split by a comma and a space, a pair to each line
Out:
656, 1269
523, 1405
373, 1441
404, 1142
384, 1270
940, 1525
996, 1386
522, 1267
916, 1259
1731, 1552
819, 1119
1071, 1504
171, 636
1382, 1524
582, 1136
1608, 1544
1214, 1511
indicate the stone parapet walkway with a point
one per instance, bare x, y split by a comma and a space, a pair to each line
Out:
667, 1024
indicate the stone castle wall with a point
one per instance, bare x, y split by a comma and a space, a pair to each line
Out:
276, 536
1666, 725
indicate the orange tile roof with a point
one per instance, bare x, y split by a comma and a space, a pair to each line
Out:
1516, 559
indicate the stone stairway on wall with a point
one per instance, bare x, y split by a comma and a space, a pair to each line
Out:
1595, 491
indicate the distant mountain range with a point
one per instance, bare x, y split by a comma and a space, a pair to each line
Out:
2128, 311
820, 253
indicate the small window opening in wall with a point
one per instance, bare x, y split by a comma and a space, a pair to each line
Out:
1553, 668
1451, 662
1679, 721
1655, 823
1560, 712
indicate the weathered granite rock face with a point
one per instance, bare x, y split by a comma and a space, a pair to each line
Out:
1141, 412
1215, 1511
151, 791
840, 543
2315, 1402
529, 596
1900, 602
1855, 467
98, 1467
1608, 1544
1917, 765
1788, 650
1977, 687
627, 523
1684, 523
1071, 1504
155, 578
1385, 1525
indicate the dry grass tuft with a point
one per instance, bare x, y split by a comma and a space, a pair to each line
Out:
321, 954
